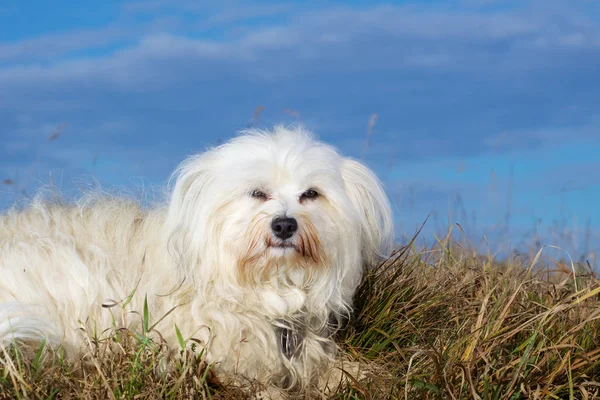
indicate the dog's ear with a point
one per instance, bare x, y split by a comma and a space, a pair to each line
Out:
189, 191
373, 208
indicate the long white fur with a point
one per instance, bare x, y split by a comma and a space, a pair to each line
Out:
205, 252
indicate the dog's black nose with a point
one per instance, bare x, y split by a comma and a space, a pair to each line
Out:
284, 228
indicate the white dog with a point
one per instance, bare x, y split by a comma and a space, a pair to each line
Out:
260, 247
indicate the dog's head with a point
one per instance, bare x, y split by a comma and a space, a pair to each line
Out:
279, 204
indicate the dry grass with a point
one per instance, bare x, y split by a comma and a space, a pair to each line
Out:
438, 323
446, 323
132, 369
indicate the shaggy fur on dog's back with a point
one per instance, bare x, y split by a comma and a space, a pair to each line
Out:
213, 259
68, 260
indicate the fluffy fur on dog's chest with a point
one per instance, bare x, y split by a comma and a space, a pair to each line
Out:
262, 241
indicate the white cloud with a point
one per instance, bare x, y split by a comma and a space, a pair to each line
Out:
51, 46
307, 34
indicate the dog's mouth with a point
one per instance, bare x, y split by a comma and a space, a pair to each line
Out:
280, 244
283, 245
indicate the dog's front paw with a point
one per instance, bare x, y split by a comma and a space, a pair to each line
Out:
270, 393
342, 374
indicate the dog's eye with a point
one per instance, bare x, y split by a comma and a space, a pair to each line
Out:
310, 194
258, 194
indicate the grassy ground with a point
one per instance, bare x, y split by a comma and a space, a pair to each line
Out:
439, 323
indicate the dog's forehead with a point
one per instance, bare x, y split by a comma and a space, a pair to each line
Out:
282, 159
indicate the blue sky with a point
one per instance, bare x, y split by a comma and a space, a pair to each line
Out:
488, 112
